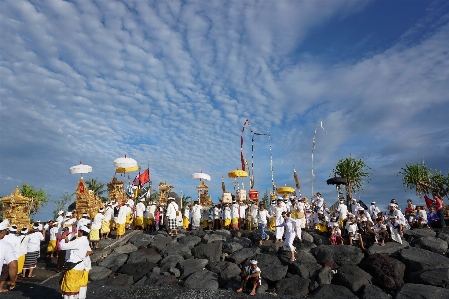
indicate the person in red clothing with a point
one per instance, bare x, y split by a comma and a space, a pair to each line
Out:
439, 207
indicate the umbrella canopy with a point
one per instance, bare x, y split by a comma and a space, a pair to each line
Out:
237, 174
125, 162
81, 168
285, 190
200, 176
129, 169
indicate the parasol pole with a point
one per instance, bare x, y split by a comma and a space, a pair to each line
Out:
313, 148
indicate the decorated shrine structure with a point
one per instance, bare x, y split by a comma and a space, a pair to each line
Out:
17, 208
204, 198
164, 191
86, 201
116, 191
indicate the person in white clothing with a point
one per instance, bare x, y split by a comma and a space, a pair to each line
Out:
8, 256
140, 208
60, 218
33, 251
226, 215
106, 223
279, 220
14, 240
77, 251
195, 215
83, 221
94, 235
342, 211
51, 248
373, 210
121, 220
172, 210
290, 233
262, 219
354, 206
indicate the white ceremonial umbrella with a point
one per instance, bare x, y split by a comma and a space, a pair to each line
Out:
200, 176
125, 162
81, 168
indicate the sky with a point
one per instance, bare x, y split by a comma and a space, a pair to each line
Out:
171, 83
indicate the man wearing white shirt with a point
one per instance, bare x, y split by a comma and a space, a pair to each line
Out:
106, 223
140, 208
373, 210
8, 257
227, 216
83, 221
342, 210
262, 219
172, 210
60, 218
121, 219
94, 235
77, 249
33, 251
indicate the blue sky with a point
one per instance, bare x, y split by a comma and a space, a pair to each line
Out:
171, 83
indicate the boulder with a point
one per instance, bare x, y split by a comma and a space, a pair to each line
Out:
144, 255
271, 267
175, 272
176, 249
387, 272
352, 277
332, 291
373, 292
141, 240
160, 241
188, 267
202, 279
99, 273
293, 286
198, 233
211, 251
338, 254
209, 238
432, 244
189, 241
128, 248
389, 248
241, 255
155, 279
169, 262
417, 259
231, 247
443, 235
417, 233
225, 270
245, 242
306, 270
434, 277
305, 245
113, 259
302, 257
324, 276
137, 271
422, 291
224, 232
306, 236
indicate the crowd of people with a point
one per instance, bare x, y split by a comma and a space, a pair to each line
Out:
72, 240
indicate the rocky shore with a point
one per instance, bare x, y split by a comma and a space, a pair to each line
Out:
206, 264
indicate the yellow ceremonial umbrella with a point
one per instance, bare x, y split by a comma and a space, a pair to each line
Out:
127, 169
237, 173
285, 190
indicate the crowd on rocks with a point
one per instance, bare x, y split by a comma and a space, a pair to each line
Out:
221, 229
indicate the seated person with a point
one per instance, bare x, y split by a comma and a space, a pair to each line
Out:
433, 219
410, 212
363, 221
251, 275
422, 217
395, 229
335, 238
351, 227
379, 232
321, 222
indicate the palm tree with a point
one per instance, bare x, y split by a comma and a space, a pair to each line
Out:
425, 180
355, 171
97, 187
